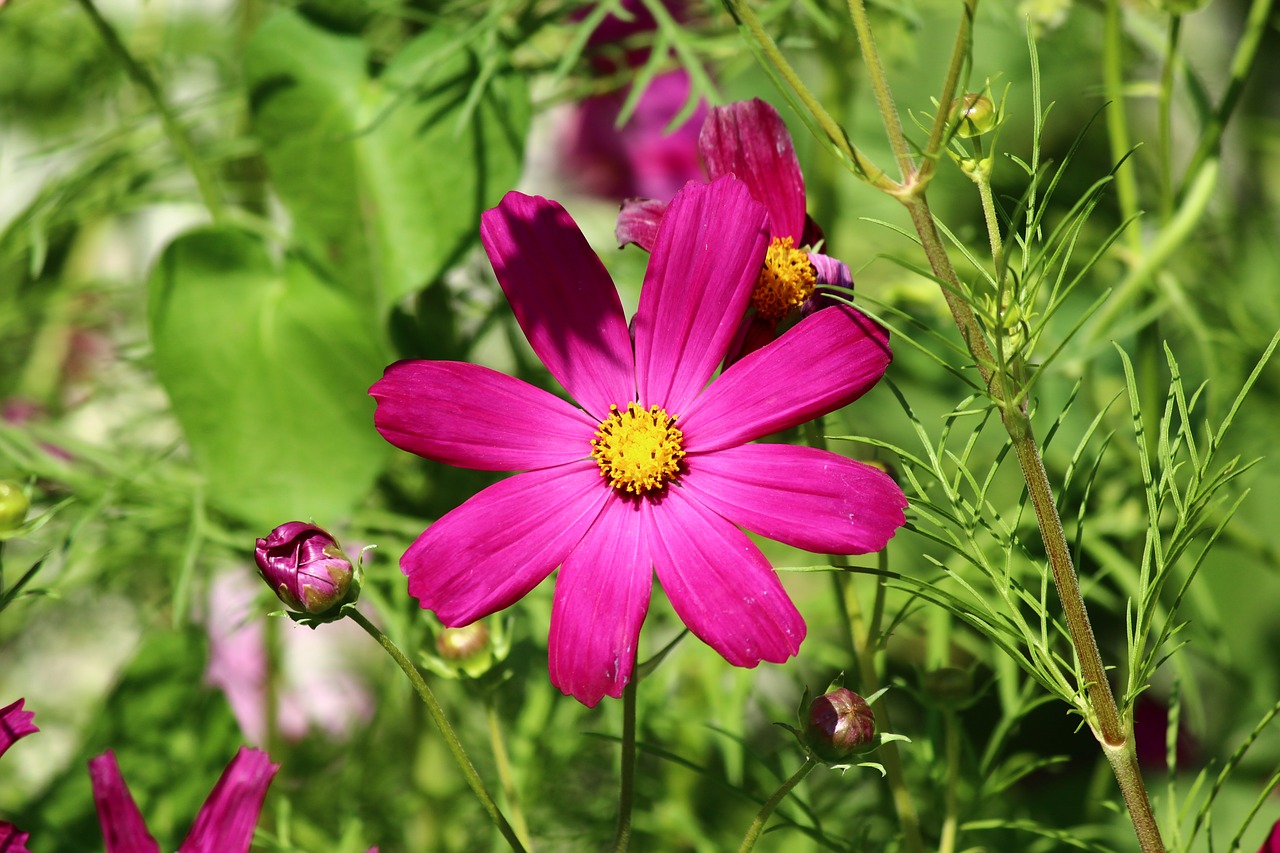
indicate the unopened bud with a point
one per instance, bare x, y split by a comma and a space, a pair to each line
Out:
840, 724
460, 644
306, 568
974, 114
14, 504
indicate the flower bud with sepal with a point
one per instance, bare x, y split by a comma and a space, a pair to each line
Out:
306, 568
839, 724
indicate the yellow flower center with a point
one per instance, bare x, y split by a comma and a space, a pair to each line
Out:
787, 280
639, 450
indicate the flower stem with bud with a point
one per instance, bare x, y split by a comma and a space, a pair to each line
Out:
762, 817
446, 730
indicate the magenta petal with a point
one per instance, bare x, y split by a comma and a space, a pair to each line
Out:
602, 596
831, 270
229, 814
812, 499
562, 297
473, 417
12, 839
720, 584
488, 553
708, 257
750, 140
825, 361
638, 222
15, 724
123, 828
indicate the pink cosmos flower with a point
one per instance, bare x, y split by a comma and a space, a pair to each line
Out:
225, 822
749, 140
653, 470
15, 724
1272, 842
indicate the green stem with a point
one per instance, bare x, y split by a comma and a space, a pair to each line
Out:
951, 809
754, 28
1101, 702
205, 183
505, 775
762, 817
941, 122
1118, 122
1165, 109
627, 790
446, 730
869, 682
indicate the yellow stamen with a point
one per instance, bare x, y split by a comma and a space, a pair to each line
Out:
787, 280
639, 450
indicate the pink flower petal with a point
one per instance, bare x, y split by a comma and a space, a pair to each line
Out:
123, 828
12, 839
602, 596
562, 297
639, 221
15, 724
720, 584
812, 499
229, 814
488, 553
825, 361
749, 139
831, 270
473, 417
709, 253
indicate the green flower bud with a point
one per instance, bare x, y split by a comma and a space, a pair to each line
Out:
14, 504
974, 115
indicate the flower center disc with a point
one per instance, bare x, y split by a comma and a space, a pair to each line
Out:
639, 450
787, 280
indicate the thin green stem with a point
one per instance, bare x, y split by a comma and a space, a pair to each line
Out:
1165, 109
762, 817
754, 29
942, 121
951, 808
627, 788
884, 95
177, 134
869, 683
1118, 122
510, 792
446, 730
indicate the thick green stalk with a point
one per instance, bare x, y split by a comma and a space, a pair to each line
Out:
762, 817
446, 730
205, 182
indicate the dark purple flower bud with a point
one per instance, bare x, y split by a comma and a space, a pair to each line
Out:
306, 568
840, 724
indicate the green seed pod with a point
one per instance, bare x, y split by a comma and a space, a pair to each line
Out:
974, 115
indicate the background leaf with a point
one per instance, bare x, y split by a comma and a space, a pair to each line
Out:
267, 370
385, 178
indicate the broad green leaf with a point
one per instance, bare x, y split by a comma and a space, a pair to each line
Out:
384, 177
268, 370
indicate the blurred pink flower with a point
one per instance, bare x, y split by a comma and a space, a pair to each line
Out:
1272, 842
640, 158
224, 824
15, 724
319, 686
615, 491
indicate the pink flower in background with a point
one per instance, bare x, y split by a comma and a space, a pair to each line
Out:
655, 471
15, 724
319, 688
224, 824
640, 158
1272, 842
749, 140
